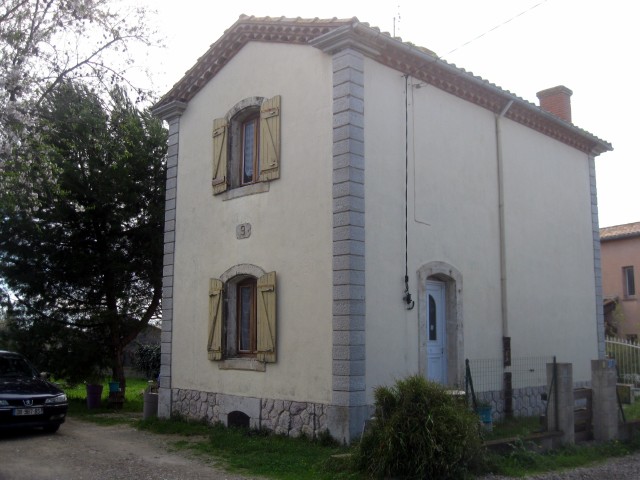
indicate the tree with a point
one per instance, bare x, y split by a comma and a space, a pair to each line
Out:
45, 42
82, 254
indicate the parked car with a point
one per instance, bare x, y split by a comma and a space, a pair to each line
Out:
27, 399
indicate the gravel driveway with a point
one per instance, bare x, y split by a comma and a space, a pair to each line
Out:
82, 450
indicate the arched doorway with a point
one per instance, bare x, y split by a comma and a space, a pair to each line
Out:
441, 323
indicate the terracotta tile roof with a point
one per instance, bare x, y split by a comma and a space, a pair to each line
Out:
334, 34
620, 231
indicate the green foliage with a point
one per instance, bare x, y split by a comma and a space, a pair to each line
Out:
514, 427
147, 360
81, 222
524, 459
420, 431
46, 42
632, 411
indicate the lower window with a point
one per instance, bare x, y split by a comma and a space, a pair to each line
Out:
245, 338
242, 317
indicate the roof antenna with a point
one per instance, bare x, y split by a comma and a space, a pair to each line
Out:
396, 21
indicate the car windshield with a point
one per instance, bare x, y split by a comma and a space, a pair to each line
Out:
15, 367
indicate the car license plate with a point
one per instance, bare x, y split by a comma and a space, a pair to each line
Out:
28, 411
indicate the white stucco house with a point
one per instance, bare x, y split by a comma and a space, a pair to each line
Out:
344, 209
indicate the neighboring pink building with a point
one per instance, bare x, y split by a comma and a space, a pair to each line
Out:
620, 246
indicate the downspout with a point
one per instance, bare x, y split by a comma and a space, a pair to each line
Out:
503, 259
506, 340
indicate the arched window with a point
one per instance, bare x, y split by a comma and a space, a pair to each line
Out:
242, 314
246, 144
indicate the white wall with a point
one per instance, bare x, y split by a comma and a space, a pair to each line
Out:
291, 226
453, 218
550, 249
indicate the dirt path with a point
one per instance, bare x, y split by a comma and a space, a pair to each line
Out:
82, 450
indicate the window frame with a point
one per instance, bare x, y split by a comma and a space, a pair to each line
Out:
250, 284
628, 281
254, 121
222, 343
229, 147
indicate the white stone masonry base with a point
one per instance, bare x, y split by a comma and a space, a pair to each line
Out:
280, 416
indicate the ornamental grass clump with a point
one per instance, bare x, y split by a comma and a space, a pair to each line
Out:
420, 431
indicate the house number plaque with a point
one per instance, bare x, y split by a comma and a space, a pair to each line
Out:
243, 231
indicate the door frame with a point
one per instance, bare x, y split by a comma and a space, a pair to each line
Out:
454, 325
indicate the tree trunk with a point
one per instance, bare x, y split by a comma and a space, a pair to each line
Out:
117, 369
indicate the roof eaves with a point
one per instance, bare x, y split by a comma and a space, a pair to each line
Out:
427, 66
331, 35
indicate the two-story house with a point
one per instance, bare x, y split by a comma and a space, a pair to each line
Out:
344, 209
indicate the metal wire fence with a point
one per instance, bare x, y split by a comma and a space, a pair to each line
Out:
517, 389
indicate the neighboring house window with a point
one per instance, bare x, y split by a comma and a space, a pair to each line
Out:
629, 282
247, 326
246, 144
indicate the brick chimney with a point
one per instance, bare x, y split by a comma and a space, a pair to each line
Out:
556, 100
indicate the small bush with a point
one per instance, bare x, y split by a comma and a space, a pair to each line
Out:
147, 360
420, 431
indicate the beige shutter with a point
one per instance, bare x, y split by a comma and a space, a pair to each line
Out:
214, 345
220, 154
266, 320
270, 139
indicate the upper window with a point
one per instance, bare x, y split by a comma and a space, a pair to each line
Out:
628, 282
250, 161
246, 144
242, 316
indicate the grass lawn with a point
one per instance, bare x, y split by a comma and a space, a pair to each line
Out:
249, 453
263, 454
133, 402
256, 453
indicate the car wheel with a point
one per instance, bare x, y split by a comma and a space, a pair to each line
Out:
52, 428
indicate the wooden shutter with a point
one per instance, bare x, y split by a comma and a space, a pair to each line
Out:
214, 345
220, 154
270, 139
266, 317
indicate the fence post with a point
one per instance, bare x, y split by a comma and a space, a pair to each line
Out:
605, 406
561, 403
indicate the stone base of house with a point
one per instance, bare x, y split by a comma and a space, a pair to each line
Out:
280, 416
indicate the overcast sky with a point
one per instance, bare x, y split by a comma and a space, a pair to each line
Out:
585, 45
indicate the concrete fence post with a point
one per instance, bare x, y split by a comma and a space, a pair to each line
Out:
605, 405
561, 401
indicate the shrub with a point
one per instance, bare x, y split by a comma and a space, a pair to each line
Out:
147, 360
420, 431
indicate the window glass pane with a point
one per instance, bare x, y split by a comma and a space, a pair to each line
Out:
245, 319
629, 281
248, 151
433, 335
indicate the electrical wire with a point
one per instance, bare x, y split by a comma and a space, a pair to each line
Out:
407, 295
497, 26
